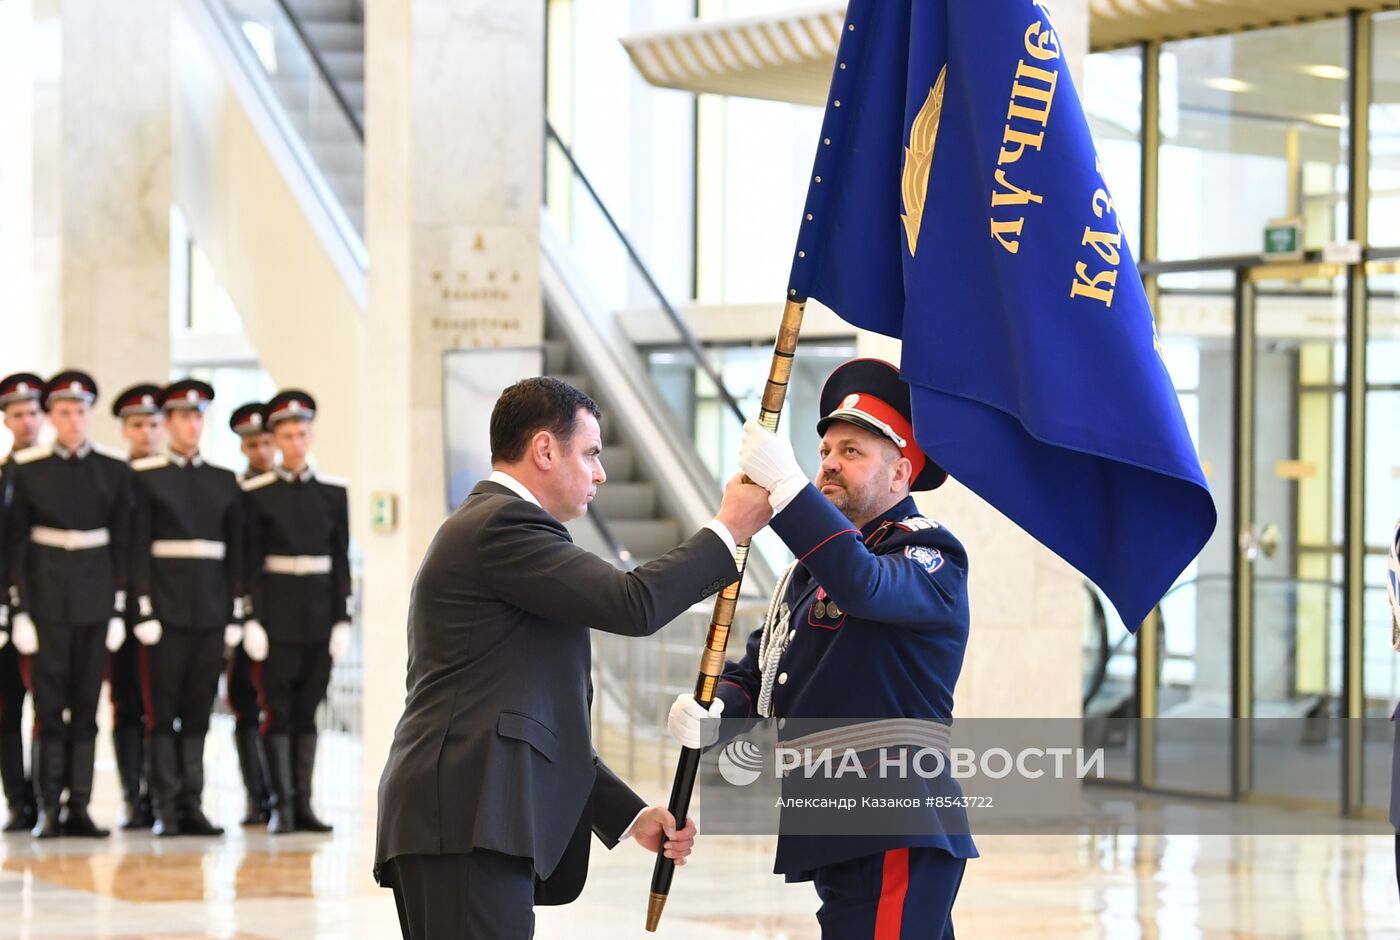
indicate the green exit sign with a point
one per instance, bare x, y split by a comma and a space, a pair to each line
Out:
1283, 239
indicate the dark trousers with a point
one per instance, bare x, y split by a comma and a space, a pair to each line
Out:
12, 690
294, 678
66, 674
479, 896
182, 679
124, 677
242, 692
901, 893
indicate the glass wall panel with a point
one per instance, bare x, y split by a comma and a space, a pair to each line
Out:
1112, 98
1385, 129
1381, 664
1253, 128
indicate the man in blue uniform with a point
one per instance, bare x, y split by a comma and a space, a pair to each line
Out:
867, 628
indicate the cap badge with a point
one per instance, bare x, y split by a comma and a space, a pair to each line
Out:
850, 401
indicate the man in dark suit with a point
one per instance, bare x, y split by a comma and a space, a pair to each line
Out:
492, 786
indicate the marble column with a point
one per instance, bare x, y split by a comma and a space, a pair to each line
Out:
454, 140
116, 193
1023, 655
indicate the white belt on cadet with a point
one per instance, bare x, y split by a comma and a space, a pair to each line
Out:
884, 733
187, 548
70, 540
297, 564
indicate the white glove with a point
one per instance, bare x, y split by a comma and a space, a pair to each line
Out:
768, 460
116, 634
24, 634
148, 632
691, 725
4, 640
340, 640
255, 641
233, 634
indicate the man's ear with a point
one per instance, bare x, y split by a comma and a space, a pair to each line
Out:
903, 476
543, 449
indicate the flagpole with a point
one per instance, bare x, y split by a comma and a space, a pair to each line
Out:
712, 660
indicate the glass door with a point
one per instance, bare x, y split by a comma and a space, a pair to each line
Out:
1293, 542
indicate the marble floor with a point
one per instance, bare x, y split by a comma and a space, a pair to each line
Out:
250, 886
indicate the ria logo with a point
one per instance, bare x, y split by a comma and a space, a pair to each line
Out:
740, 763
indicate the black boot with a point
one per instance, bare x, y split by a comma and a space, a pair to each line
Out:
193, 822
128, 744
76, 821
50, 767
245, 740
276, 753
18, 793
164, 784
305, 765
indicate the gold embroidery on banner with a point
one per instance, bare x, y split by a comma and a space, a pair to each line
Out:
918, 158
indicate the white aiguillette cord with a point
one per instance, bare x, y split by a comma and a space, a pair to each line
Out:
774, 641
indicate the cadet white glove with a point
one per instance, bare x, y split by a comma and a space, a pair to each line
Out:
23, 633
116, 634
340, 640
691, 725
233, 634
255, 641
768, 460
148, 632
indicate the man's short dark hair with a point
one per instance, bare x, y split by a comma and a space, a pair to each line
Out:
531, 406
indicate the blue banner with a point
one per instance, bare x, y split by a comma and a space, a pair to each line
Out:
957, 203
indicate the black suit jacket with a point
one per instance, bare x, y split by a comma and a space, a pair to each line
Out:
494, 749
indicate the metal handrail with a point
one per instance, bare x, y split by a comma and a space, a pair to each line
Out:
320, 64
687, 337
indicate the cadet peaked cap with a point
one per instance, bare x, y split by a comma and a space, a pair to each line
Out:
247, 420
870, 394
22, 386
288, 405
186, 395
70, 386
137, 400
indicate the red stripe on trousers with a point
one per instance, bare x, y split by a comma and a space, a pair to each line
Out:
894, 885
147, 696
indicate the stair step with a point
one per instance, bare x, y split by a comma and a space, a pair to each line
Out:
345, 66
556, 356
619, 501
354, 94
646, 538
573, 378
330, 36
620, 463
309, 10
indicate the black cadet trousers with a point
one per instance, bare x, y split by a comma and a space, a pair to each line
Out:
294, 680
182, 679
66, 674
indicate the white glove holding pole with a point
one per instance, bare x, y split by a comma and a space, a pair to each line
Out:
116, 634
691, 725
233, 635
340, 640
24, 634
768, 460
148, 632
255, 641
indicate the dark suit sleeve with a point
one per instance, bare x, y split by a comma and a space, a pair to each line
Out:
340, 556
614, 805
527, 558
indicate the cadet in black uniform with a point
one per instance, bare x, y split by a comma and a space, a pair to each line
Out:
19, 401
256, 444
187, 554
140, 416
299, 536
67, 535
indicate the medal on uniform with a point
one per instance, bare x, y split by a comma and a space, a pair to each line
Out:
832, 610
820, 610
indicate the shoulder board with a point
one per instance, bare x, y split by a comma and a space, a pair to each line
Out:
259, 481
917, 524
151, 463
331, 480
111, 453
31, 454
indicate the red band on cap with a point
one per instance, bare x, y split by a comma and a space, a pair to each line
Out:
887, 414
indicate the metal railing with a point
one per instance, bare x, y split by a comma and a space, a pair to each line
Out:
325, 73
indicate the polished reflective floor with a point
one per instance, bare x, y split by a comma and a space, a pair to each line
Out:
250, 886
